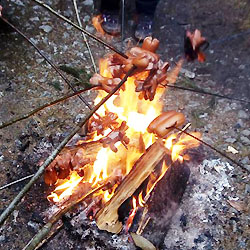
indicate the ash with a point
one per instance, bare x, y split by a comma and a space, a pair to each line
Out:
82, 227
205, 220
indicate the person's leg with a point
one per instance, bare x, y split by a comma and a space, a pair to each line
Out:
110, 5
146, 7
145, 10
110, 14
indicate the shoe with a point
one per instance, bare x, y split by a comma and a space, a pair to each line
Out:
144, 27
111, 23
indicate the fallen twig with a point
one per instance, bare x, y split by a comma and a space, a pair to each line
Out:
84, 36
47, 227
46, 59
53, 231
25, 116
40, 171
14, 182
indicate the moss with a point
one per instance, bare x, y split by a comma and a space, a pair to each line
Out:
80, 74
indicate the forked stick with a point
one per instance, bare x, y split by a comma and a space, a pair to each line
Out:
40, 171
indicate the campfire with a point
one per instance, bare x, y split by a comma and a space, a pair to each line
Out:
130, 141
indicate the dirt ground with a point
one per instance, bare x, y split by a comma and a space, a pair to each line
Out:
27, 81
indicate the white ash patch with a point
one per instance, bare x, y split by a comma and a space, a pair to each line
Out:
196, 224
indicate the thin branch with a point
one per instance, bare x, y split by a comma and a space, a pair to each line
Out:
47, 60
213, 148
34, 111
54, 230
206, 93
84, 36
14, 182
41, 169
47, 227
79, 28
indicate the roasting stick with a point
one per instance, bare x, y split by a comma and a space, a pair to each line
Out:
36, 110
53, 231
213, 148
47, 227
203, 92
47, 60
84, 36
53, 155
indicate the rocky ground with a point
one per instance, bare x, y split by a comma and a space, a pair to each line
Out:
214, 213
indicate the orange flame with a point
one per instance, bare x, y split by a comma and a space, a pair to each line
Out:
131, 215
138, 114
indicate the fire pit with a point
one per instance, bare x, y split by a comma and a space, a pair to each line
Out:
129, 143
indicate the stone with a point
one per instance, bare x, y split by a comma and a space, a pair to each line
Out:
245, 140
245, 160
90, 29
247, 189
46, 28
243, 115
230, 140
245, 132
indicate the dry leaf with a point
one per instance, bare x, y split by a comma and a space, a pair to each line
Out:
240, 206
142, 242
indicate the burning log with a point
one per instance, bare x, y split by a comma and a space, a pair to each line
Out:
71, 158
107, 217
165, 201
76, 157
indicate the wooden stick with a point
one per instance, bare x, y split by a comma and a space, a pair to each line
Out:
107, 217
40, 171
215, 149
203, 92
16, 181
84, 36
46, 229
34, 111
54, 230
